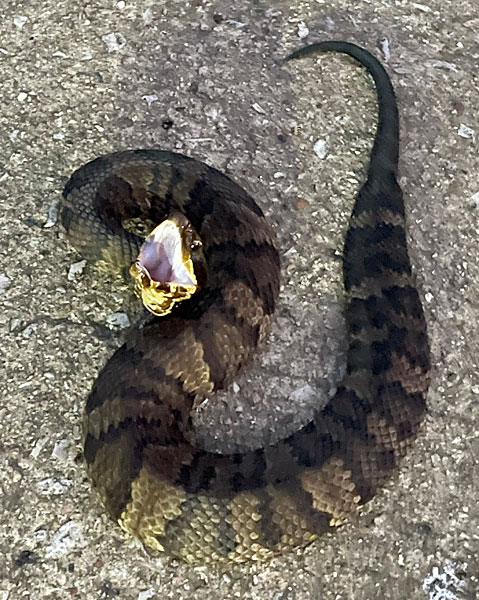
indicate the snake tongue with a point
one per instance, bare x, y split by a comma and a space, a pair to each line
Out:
161, 256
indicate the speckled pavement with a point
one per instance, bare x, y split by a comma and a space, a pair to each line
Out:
206, 79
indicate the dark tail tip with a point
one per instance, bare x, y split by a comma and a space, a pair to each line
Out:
385, 153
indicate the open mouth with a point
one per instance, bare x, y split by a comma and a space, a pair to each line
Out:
161, 256
163, 271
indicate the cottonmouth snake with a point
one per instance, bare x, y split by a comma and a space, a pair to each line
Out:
205, 507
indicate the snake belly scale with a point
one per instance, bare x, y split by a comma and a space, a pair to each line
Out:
205, 507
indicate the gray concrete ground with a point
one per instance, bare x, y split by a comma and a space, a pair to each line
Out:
205, 78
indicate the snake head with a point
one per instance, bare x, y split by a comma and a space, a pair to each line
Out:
164, 270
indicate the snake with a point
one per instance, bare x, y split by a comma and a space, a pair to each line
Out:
205, 265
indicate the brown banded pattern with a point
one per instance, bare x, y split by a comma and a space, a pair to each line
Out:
206, 507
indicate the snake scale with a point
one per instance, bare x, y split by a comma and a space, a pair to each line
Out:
205, 507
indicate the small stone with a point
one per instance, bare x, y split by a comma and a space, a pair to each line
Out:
237, 24
258, 108
465, 131
66, 538
302, 394
19, 21
303, 31
29, 329
117, 297
75, 270
4, 283
301, 203
150, 98
384, 45
53, 486
119, 320
52, 213
330, 24
421, 7
15, 324
60, 450
146, 594
321, 148
114, 41
273, 12
147, 16
39, 445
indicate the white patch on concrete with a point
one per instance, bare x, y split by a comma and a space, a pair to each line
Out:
321, 148
146, 594
19, 21
237, 24
60, 450
445, 584
52, 217
466, 132
39, 445
443, 64
302, 393
65, 539
118, 319
75, 270
330, 24
258, 108
384, 45
147, 16
303, 31
150, 98
421, 7
54, 486
4, 283
114, 41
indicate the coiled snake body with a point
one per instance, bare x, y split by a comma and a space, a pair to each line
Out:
205, 507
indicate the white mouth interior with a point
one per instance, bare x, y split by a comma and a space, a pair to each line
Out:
161, 256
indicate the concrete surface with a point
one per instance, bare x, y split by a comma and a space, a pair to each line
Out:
205, 78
